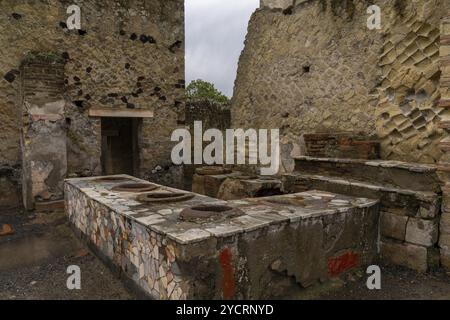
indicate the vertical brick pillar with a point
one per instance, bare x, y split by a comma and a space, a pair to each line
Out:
43, 134
444, 165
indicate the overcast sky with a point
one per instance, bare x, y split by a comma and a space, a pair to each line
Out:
215, 34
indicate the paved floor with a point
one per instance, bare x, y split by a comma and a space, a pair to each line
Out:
34, 260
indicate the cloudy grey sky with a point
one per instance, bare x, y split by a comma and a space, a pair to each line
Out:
215, 34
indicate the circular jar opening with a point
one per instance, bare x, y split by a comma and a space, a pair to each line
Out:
209, 213
135, 187
160, 197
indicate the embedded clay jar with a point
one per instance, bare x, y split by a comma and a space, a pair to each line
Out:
135, 187
165, 197
208, 212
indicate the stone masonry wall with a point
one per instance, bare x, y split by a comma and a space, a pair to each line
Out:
140, 254
269, 250
127, 55
316, 67
444, 166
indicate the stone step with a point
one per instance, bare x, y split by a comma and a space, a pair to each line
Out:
395, 174
423, 204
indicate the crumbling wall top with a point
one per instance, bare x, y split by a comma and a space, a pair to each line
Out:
280, 4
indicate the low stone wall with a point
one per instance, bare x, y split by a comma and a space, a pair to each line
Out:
409, 225
141, 254
410, 201
279, 243
235, 185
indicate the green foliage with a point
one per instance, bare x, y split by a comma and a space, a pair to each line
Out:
48, 56
199, 89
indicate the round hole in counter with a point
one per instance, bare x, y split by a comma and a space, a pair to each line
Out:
165, 197
135, 187
209, 212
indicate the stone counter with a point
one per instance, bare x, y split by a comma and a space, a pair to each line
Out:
277, 243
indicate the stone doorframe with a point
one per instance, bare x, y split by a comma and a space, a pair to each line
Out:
444, 165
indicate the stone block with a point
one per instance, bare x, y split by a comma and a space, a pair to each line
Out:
198, 184
445, 223
393, 226
445, 28
434, 258
444, 241
406, 255
445, 51
429, 211
445, 258
422, 232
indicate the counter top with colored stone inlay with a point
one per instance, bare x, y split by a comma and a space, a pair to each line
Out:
164, 218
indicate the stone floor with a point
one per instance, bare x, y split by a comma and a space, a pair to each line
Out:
397, 284
35, 258
43, 246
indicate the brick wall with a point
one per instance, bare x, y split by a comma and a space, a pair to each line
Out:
44, 137
341, 145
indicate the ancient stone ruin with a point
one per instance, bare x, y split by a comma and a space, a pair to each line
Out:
363, 112
100, 100
363, 115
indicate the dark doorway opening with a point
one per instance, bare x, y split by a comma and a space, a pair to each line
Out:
119, 146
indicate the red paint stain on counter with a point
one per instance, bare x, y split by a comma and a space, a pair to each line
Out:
343, 263
228, 285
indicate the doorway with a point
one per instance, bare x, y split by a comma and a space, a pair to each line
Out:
120, 146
